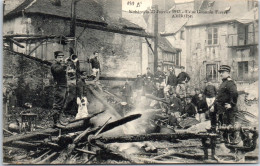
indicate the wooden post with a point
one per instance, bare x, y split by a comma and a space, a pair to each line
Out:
156, 38
205, 148
213, 146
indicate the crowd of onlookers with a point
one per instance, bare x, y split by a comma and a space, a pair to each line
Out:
171, 94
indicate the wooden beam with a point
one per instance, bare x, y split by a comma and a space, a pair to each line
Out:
114, 30
16, 42
154, 137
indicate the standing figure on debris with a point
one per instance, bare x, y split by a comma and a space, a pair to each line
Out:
58, 70
138, 86
159, 75
171, 79
202, 107
210, 93
183, 79
95, 64
148, 73
226, 99
127, 92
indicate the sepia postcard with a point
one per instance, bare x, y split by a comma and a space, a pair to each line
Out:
130, 82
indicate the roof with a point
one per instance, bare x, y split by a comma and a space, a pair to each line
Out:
165, 45
88, 10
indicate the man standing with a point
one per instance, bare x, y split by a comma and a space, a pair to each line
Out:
172, 79
58, 70
138, 86
226, 99
159, 76
183, 78
95, 64
210, 93
127, 92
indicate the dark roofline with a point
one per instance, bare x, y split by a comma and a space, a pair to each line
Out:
66, 18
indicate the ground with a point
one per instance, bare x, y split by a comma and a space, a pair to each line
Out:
191, 147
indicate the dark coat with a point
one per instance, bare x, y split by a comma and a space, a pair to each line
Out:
94, 63
127, 90
59, 73
210, 91
175, 104
183, 76
190, 110
139, 83
159, 76
195, 99
172, 79
227, 93
149, 87
202, 106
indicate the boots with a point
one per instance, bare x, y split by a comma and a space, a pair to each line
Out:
57, 121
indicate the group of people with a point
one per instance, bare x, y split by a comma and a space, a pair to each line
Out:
217, 105
169, 90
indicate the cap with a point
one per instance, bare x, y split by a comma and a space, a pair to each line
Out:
138, 74
58, 53
224, 68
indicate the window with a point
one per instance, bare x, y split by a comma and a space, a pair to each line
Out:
177, 59
242, 70
211, 72
212, 36
182, 35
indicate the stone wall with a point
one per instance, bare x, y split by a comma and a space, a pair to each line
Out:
120, 55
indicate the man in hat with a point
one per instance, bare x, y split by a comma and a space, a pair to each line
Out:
95, 64
189, 109
148, 73
226, 99
138, 86
171, 79
58, 70
183, 78
127, 92
159, 75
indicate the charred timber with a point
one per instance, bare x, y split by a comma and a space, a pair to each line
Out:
154, 137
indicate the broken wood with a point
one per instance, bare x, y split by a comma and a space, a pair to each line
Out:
88, 117
154, 137
24, 145
47, 159
86, 151
115, 151
40, 157
9, 132
41, 134
15, 42
103, 101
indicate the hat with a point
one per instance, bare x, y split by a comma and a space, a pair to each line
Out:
170, 68
58, 53
138, 74
224, 68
